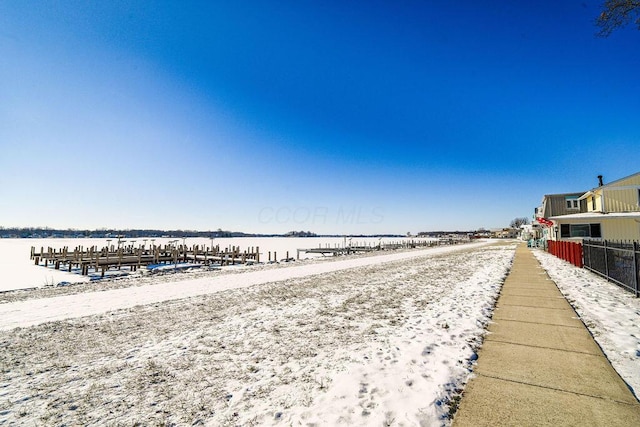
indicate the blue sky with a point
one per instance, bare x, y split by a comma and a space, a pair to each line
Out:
332, 116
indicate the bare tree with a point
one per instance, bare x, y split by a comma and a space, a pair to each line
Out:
517, 222
616, 14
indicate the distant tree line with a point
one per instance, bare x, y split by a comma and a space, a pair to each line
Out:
45, 232
300, 234
443, 233
48, 232
42, 232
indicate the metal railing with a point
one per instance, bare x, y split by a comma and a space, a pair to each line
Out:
618, 262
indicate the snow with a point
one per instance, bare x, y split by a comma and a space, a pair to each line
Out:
359, 341
34, 311
17, 271
363, 340
611, 314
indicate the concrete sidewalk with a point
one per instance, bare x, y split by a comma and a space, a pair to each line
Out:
539, 366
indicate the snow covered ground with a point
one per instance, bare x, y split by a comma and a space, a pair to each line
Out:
611, 314
366, 340
363, 341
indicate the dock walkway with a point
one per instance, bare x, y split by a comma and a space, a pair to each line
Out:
133, 257
539, 365
386, 246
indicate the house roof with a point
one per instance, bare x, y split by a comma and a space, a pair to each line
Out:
616, 182
587, 194
562, 195
599, 215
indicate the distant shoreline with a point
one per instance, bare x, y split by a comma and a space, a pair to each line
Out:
45, 233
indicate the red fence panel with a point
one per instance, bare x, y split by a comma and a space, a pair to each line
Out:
568, 251
578, 255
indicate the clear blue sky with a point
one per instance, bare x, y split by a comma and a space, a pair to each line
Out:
328, 116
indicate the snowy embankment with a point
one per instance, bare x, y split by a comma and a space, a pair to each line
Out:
611, 314
379, 342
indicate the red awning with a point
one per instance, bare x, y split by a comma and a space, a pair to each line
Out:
545, 221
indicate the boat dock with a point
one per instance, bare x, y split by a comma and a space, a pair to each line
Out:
386, 246
95, 260
100, 260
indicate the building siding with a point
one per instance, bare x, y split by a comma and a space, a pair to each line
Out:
624, 200
556, 204
611, 228
598, 203
630, 180
621, 229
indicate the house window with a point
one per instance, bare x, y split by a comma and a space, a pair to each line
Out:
580, 230
593, 203
572, 203
565, 230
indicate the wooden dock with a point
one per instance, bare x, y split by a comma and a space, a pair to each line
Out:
94, 260
111, 257
386, 246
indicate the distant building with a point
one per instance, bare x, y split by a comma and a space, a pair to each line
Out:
505, 233
531, 231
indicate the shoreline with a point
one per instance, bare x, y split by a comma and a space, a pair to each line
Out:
145, 278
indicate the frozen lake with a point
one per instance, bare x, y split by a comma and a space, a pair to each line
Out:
17, 271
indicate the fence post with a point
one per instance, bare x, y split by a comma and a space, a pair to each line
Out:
580, 255
586, 245
636, 248
559, 249
606, 261
572, 253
